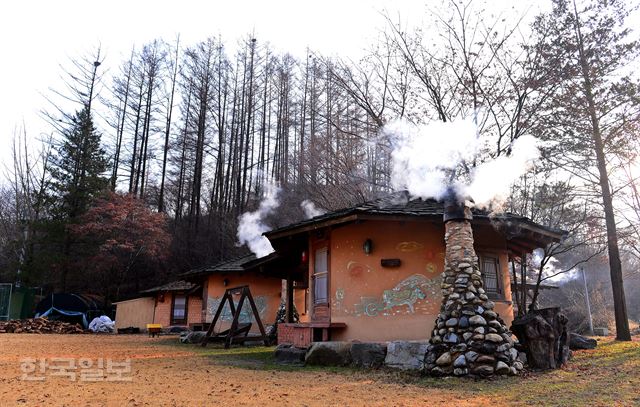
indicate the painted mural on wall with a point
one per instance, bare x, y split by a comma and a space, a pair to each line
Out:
407, 247
431, 268
407, 292
410, 295
246, 314
356, 269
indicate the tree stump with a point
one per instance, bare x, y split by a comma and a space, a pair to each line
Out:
544, 337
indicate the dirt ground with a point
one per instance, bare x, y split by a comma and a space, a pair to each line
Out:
180, 376
163, 373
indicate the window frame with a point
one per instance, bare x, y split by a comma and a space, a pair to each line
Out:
183, 321
323, 274
499, 294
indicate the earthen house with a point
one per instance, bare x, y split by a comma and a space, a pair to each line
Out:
373, 272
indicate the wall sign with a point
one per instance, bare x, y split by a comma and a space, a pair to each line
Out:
390, 262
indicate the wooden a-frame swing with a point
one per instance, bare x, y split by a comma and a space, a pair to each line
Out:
238, 332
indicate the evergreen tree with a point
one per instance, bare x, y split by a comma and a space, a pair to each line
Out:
79, 167
78, 177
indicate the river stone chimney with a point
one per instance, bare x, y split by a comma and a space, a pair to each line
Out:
469, 338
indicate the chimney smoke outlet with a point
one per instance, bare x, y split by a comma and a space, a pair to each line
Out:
454, 207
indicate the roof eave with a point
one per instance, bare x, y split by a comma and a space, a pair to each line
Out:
546, 235
329, 221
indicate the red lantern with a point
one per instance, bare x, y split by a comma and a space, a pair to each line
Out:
304, 257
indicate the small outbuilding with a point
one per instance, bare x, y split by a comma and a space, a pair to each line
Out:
264, 277
178, 303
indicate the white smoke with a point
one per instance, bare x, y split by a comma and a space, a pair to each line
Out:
424, 157
252, 226
491, 181
310, 209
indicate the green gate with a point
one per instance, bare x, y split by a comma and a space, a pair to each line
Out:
5, 300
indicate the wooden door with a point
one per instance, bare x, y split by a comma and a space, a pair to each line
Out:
320, 285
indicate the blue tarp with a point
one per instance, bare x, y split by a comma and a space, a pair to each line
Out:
70, 307
48, 312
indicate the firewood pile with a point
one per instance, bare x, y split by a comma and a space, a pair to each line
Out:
39, 326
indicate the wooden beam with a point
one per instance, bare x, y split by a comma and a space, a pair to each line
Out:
518, 248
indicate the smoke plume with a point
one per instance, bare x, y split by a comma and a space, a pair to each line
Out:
252, 226
491, 181
425, 156
310, 209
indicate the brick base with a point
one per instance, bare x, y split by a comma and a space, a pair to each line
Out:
295, 334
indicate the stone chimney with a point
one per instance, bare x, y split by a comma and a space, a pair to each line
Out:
469, 338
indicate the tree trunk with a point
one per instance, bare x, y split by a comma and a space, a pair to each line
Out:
135, 134
615, 265
120, 130
168, 130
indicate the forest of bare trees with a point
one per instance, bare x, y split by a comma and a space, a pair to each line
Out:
196, 130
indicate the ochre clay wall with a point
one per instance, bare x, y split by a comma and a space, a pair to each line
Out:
163, 310
265, 291
162, 314
380, 303
194, 310
136, 313
300, 296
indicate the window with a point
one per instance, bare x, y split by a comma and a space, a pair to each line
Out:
320, 277
489, 267
179, 309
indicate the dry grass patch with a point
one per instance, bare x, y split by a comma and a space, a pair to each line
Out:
606, 376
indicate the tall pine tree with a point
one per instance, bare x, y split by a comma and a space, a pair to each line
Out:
78, 176
593, 114
79, 167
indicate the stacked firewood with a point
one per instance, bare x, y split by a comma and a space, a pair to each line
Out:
39, 326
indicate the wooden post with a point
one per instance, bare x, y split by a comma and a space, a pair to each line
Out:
523, 281
256, 315
236, 319
516, 286
289, 300
215, 319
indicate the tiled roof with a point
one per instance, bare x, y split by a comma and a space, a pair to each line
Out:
401, 204
179, 285
237, 264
